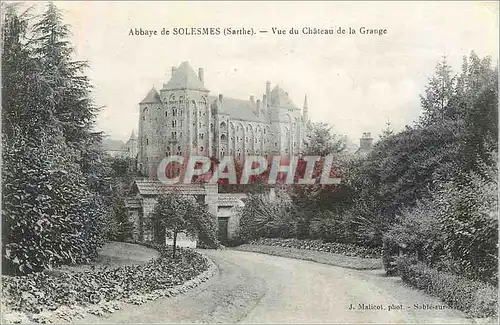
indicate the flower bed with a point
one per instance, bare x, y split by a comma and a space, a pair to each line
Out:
475, 298
321, 246
69, 295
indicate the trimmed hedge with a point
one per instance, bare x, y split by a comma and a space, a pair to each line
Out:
46, 291
322, 246
475, 298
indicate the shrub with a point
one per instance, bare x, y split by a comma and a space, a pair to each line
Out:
263, 217
476, 298
49, 290
320, 245
49, 215
456, 230
390, 252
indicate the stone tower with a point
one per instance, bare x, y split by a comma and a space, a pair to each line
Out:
183, 119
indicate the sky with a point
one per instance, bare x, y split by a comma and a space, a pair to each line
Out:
355, 82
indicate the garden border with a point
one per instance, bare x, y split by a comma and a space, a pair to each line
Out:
66, 314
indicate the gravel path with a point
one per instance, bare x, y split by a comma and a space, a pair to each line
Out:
257, 288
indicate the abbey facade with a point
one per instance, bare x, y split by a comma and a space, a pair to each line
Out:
184, 119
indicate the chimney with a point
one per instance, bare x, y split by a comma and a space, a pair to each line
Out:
268, 88
366, 141
201, 75
173, 70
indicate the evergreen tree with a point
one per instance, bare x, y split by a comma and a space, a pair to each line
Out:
388, 131
74, 108
438, 94
52, 210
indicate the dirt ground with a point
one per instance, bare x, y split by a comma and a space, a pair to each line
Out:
258, 288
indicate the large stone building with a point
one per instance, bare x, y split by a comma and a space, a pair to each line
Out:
183, 118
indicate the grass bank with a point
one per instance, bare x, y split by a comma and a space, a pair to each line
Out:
351, 262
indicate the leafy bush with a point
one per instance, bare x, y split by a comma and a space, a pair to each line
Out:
456, 229
332, 227
49, 290
473, 297
175, 213
469, 218
390, 252
320, 245
48, 217
263, 217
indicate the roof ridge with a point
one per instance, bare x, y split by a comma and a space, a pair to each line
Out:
184, 77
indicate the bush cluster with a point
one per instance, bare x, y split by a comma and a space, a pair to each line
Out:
36, 292
455, 230
476, 298
322, 246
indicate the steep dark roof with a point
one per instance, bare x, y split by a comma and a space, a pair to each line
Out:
152, 97
279, 97
238, 109
154, 187
184, 77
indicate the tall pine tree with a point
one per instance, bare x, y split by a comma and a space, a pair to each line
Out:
51, 210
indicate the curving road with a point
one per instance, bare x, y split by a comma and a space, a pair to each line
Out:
257, 288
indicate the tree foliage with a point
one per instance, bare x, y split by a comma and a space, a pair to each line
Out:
175, 213
55, 184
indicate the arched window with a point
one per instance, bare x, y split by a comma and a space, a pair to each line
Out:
181, 99
168, 148
201, 148
223, 125
166, 113
179, 148
171, 98
223, 137
147, 141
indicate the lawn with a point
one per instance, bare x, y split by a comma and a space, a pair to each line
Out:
351, 262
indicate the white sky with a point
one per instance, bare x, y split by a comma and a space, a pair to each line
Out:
355, 82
